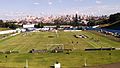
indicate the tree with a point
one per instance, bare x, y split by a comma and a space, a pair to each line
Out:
57, 23
1, 20
91, 23
39, 25
57, 26
13, 26
7, 25
75, 21
103, 21
1, 23
114, 17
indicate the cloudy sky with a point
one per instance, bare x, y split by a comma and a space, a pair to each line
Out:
20, 8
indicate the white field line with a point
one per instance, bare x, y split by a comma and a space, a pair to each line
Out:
87, 41
10, 36
91, 43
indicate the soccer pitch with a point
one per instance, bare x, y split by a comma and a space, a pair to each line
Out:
24, 42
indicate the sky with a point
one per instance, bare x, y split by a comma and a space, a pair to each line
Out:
10, 9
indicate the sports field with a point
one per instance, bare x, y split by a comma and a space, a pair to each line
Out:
46, 40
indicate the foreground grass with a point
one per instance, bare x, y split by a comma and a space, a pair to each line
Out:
41, 40
73, 60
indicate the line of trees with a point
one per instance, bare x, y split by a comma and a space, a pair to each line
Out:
10, 25
112, 18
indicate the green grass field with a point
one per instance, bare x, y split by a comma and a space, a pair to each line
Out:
40, 40
2, 29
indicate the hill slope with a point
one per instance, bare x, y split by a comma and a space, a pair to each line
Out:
114, 26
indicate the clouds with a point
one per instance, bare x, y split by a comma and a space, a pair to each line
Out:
101, 10
98, 1
57, 7
50, 3
93, 10
78, 0
60, 1
36, 3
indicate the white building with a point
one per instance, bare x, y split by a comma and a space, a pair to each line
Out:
29, 26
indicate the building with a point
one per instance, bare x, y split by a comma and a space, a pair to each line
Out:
29, 26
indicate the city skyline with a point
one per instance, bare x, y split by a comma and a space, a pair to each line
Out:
10, 9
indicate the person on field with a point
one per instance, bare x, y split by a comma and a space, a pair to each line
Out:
57, 65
